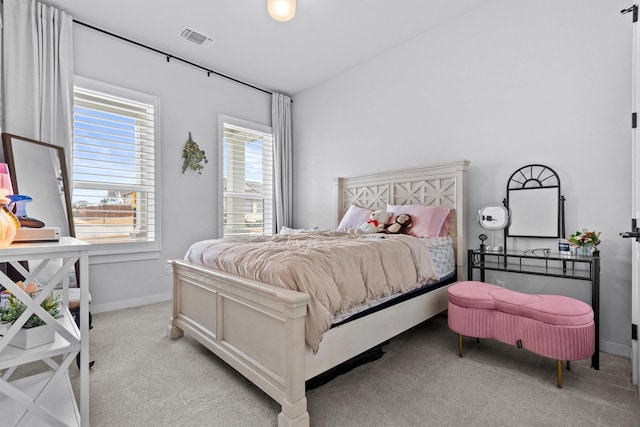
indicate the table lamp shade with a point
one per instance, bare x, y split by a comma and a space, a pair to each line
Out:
8, 221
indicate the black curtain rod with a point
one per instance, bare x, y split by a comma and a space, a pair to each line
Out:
169, 56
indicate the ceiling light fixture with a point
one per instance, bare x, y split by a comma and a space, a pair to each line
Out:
282, 10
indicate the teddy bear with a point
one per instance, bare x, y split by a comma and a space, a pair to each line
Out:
400, 225
376, 223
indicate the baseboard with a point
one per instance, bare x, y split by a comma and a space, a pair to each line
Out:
615, 348
100, 308
605, 346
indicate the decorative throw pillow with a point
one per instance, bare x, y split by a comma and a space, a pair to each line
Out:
428, 221
354, 216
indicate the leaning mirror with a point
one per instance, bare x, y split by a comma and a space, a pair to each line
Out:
38, 170
535, 202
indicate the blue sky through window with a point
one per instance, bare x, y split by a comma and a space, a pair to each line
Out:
253, 160
106, 151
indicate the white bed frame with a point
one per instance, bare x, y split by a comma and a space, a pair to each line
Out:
259, 329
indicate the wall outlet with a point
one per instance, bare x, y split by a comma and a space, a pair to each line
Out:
168, 270
500, 283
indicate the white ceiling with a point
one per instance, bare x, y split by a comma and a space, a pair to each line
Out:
325, 38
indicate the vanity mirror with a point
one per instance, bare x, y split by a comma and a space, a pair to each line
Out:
38, 170
535, 202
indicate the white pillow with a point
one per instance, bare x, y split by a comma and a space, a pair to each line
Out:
354, 216
288, 230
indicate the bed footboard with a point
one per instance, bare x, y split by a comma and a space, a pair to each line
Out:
256, 328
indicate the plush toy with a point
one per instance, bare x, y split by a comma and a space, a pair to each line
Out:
376, 223
400, 225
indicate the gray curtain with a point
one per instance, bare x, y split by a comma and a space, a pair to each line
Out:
282, 158
37, 58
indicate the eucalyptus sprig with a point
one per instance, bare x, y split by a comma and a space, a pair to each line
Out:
193, 156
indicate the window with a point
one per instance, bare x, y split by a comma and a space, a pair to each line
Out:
114, 164
247, 178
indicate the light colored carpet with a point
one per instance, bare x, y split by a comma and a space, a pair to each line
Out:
141, 378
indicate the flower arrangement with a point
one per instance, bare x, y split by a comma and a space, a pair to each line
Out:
585, 238
14, 307
193, 155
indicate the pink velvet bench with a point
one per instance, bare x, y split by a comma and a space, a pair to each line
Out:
553, 326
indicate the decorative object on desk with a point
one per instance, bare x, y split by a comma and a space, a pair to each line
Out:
564, 247
494, 218
9, 224
193, 156
482, 238
20, 201
539, 252
5, 179
8, 221
34, 331
584, 242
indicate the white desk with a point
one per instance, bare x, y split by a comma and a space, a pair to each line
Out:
47, 398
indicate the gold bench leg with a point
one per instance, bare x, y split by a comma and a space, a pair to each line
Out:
460, 345
559, 373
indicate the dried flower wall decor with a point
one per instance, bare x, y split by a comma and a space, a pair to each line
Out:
193, 156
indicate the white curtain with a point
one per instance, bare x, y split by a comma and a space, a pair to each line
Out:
37, 79
282, 156
38, 73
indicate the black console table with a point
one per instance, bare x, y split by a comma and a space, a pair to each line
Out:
545, 264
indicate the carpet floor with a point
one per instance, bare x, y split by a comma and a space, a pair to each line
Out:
141, 378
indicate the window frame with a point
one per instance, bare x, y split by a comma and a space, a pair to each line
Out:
234, 121
128, 251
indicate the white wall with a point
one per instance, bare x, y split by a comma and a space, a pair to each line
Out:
508, 84
189, 101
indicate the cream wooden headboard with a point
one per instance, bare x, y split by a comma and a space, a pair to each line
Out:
435, 185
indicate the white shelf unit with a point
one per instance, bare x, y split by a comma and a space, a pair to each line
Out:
47, 398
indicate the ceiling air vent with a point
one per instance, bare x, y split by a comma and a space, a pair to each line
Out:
195, 37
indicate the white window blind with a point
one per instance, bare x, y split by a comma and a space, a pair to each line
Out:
247, 179
114, 167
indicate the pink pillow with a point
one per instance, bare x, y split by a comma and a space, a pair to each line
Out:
354, 216
428, 221
444, 231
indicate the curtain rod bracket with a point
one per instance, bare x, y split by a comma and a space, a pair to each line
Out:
633, 9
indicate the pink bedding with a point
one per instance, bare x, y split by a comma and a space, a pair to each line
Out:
335, 269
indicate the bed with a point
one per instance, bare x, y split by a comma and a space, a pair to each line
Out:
259, 329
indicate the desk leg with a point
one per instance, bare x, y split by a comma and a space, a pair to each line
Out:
471, 265
595, 304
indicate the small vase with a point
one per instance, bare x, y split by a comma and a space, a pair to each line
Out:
32, 337
585, 250
8, 226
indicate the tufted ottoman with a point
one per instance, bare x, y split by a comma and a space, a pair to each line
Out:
553, 326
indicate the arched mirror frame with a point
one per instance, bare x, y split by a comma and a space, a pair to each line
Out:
528, 205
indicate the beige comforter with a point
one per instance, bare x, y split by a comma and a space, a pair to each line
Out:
336, 270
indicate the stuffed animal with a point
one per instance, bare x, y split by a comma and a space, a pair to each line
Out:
376, 223
400, 225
